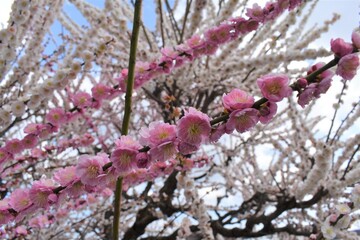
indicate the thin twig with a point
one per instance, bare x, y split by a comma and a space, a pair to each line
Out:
173, 22
342, 123
161, 23
336, 110
348, 165
188, 4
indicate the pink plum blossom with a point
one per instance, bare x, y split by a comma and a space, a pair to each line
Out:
307, 95
340, 48
164, 151
141, 68
251, 25
75, 189
242, 120
218, 35
355, 38
19, 199
240, 26
37, 153
41, 193
267, 111
109, 178
206, 48
160, 168
100, 92
256, 13
124, 156
30, 141
322, 87
124, 159
14, 146
66, 176
319, 86
194, 128
167, 61
157, 133
237, 99
313, 91
82, 99
217, 133
324, 75
56, 116
186, 54
90, 167
271, 11
136, 177
347, 66
185, 148
274, 87
34, 128
127, 142
194, 41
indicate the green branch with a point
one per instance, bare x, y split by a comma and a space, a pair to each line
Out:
126, 119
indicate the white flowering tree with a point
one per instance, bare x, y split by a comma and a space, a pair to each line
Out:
204, 126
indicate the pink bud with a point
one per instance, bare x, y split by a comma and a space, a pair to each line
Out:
340, 47
332, 218
302, 82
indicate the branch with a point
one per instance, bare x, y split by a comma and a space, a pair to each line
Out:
126, 120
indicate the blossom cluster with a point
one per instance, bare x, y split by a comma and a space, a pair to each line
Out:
348, 63
172, 58
207, 44
37, 153
166, 145
55, 118
194, 47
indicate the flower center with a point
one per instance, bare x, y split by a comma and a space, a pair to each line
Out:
24, 202
92, 170
193, 130
274, 88
56, 116
125, 159
163, 135
242, 119
82, 100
